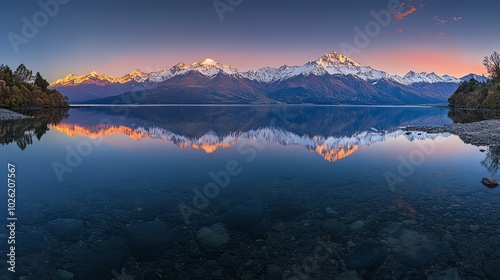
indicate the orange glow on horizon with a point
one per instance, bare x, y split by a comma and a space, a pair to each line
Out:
449, 62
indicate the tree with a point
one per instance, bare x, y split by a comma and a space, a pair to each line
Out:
41, 82
492, 64
22, 74
6, 75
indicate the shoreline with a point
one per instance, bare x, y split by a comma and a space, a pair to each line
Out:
482, 133
8, 115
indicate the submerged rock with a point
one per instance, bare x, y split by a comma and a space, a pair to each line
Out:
29, 243
331, 213
274, 272
245, 216
334, 228
148, 240
66, 230
424, 255
349, 275
214, 237
102, 259
446, 274
357, 225
367, 256
492, 269
65, 275
490, 182
286, 210
410, 238
258, 232
390, 228
227, 261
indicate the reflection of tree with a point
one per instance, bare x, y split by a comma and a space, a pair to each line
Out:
492, 160
472, 115
22, 131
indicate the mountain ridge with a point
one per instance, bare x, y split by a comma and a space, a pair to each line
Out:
345, 76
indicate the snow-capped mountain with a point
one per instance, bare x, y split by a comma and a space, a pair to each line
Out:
474, 76
331, 79
94, 78
136, 75
208, 68
331, 63
423, 77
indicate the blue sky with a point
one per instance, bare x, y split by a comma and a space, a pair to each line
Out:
116, 37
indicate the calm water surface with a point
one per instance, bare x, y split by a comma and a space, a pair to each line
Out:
249, 192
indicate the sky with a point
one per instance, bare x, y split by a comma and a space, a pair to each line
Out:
115, 37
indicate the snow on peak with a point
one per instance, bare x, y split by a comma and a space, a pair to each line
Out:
335, 58
332, 63
476, 77
98, 79
208, 67
413, 77
135, 75
93, 77
208, 61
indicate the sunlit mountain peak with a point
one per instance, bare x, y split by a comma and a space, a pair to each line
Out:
208, 61
335, 58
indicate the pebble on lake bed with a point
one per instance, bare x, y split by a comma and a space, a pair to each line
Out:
490, 182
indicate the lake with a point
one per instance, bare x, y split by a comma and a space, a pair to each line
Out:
248, 192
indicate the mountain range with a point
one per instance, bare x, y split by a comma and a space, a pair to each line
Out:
331, 79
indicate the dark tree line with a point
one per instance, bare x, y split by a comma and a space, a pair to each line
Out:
20, 88
473, 94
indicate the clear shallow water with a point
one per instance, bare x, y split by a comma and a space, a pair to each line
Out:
142, 181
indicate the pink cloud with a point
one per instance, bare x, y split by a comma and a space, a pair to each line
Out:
400, 16
440, 21
440, 35
457, 18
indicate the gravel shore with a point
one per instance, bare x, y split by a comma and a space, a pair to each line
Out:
6, 115
483, 133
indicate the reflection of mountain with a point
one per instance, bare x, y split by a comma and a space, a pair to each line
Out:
331, 148
195, 121
22, 131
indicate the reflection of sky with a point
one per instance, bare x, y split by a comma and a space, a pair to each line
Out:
125, 161
122, 160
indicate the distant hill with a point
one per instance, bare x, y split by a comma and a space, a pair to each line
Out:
21, 89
